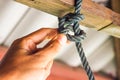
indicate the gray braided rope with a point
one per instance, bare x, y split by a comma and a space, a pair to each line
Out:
70, 23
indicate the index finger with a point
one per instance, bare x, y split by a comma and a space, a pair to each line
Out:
39, 35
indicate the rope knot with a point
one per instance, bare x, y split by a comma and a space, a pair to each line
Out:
73, 17
67, 25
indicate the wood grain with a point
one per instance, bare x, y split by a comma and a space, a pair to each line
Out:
96, 16
116, 7
117, 56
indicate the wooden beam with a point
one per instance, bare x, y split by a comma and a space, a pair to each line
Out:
117, 56
116, 7
96, 16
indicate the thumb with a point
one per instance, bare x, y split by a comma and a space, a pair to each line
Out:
48, 53
54, 46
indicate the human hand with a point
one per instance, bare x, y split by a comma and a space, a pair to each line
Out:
24, 61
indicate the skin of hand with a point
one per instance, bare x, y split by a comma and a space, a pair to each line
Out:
24, 61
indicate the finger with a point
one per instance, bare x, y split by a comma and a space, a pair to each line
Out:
48, 67
57, 44
40, 35
54, 47
30, 41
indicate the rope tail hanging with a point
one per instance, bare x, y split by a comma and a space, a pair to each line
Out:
70, 23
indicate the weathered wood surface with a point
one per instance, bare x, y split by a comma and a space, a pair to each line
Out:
117, 56
116, 7
96, 16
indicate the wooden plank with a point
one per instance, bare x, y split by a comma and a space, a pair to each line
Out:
117, 56
116, 7
96, 16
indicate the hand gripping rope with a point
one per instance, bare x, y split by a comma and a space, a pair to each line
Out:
70, 23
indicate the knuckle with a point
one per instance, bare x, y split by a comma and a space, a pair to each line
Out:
49, 29
19, 41
16, 41
44, 28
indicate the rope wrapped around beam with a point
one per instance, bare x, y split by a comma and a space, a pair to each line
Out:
70, 23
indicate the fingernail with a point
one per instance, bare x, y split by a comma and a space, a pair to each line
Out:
62, 39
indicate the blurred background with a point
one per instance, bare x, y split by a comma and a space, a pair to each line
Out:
17, 20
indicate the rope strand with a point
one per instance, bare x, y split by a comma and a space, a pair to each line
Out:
70, 23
